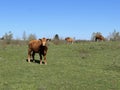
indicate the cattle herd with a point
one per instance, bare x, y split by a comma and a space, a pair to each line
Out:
40, 47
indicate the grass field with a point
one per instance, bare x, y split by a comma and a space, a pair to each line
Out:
80, 66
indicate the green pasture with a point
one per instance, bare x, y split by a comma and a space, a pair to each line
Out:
78, 66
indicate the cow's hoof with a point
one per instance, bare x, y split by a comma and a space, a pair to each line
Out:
40, 63
45, 63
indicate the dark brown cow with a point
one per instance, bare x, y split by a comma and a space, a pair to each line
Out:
38, 46
69, 40
99, 37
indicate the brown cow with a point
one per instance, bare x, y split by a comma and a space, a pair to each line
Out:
99, 37
38, 46
69, 40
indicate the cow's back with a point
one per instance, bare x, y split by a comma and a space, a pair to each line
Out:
34, 45
70, 40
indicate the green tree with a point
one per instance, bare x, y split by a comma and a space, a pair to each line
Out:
56, 37
8, 37
32, 37
115, 36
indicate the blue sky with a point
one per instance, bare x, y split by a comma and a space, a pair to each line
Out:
45, 18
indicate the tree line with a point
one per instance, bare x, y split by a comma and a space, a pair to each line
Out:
8, 37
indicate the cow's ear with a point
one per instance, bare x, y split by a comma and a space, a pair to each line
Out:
40, 39
48, 39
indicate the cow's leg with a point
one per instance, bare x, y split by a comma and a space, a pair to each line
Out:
95, 39
40, 58
33, 55
71, 42
45, 61
29, 55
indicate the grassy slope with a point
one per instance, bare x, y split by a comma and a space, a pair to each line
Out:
82, 66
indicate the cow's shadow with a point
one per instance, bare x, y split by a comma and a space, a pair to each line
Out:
35, 61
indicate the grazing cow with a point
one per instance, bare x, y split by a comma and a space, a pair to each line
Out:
38, 46
69, 40
99, 37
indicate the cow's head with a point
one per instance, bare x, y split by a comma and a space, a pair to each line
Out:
44, 41
67, 38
